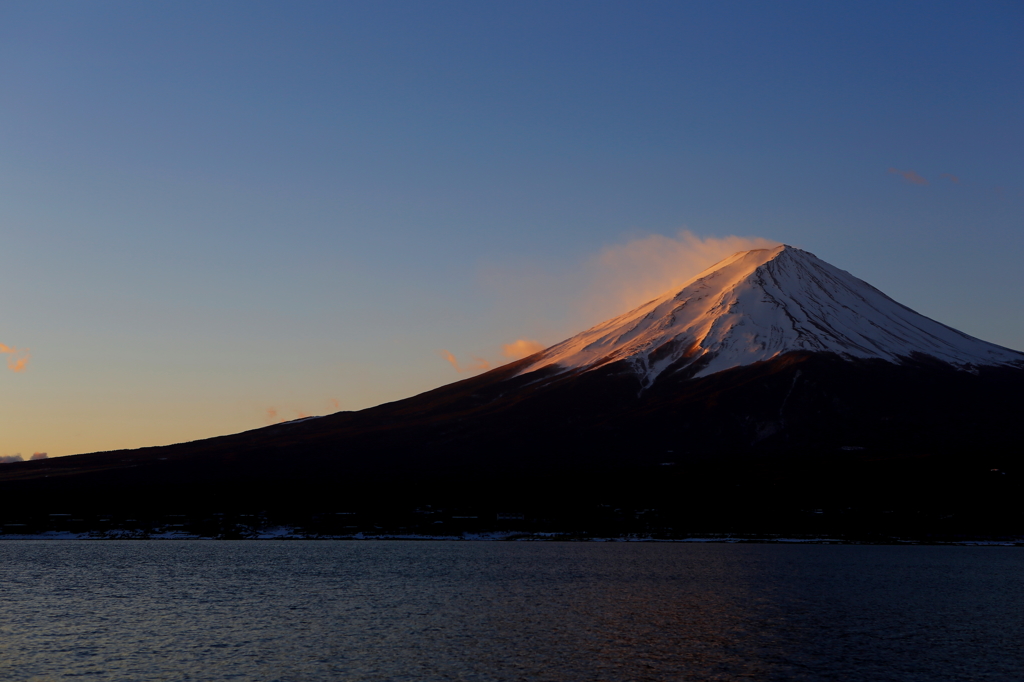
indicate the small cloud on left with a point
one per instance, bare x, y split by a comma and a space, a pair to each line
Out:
16, 457
18, 360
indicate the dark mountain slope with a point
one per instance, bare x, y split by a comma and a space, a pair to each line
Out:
580, 438
772, 373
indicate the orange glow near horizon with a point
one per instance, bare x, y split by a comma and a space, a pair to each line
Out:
276, 415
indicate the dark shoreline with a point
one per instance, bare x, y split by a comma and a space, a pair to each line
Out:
286, 534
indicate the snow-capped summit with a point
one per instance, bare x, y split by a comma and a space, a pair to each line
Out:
756, 305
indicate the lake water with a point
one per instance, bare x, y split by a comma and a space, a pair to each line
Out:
337, 610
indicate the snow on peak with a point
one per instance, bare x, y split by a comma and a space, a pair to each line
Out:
756, 305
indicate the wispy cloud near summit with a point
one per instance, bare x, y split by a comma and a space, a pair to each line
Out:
550, 306
626, 275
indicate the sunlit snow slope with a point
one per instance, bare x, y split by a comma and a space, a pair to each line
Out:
758, 304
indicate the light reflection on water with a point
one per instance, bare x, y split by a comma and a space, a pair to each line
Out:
262, 610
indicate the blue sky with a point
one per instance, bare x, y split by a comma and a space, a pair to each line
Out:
213, 215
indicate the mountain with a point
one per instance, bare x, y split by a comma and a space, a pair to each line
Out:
758, 305
769, 384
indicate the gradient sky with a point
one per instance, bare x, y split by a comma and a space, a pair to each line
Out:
217, 215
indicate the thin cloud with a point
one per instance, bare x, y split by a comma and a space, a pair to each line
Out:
18, 363
451, 359
952, 178
18, 360
333, 402
479, 364
627, 275
39, 455
271, 414
910, 176
520, 348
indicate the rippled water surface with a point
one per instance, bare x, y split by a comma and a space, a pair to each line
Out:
336, 610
